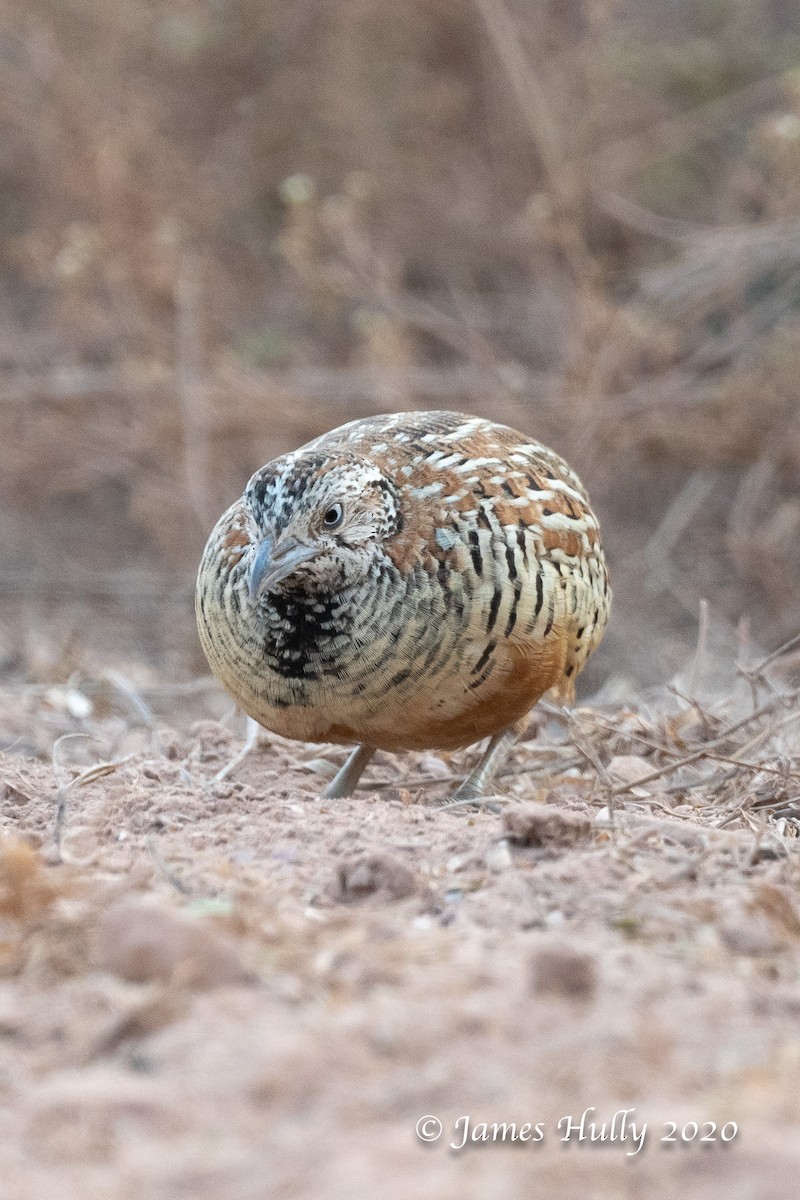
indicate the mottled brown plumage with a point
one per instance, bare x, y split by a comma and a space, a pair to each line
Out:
404, 582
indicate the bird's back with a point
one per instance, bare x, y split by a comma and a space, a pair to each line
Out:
505, 551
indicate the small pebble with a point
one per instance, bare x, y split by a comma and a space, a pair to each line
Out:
498, 856
544, 824
564, 971
372, 874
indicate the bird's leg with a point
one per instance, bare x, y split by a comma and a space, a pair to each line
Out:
344, 782
474, 785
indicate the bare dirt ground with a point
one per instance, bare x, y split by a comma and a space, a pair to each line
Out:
230, 988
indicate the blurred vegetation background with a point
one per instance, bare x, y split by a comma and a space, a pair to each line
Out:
228, 226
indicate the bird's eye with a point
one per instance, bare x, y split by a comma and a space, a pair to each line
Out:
333, 516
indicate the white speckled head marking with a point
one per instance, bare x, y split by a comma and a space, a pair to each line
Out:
291, 499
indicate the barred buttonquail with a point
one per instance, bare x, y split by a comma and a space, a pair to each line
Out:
404, 582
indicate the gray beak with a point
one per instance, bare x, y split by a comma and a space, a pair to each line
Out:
273, 562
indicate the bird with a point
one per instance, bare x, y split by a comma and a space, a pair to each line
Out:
407, 581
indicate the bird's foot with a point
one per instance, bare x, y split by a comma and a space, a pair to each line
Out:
474, 798
467, 792
474, 786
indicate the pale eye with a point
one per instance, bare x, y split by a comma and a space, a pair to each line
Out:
333, 516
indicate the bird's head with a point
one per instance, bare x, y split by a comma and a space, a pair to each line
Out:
316, 525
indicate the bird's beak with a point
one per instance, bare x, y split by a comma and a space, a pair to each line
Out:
273, 562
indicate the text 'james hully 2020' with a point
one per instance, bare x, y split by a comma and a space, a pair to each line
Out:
622, 1128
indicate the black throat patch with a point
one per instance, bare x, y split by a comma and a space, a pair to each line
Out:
303, 634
